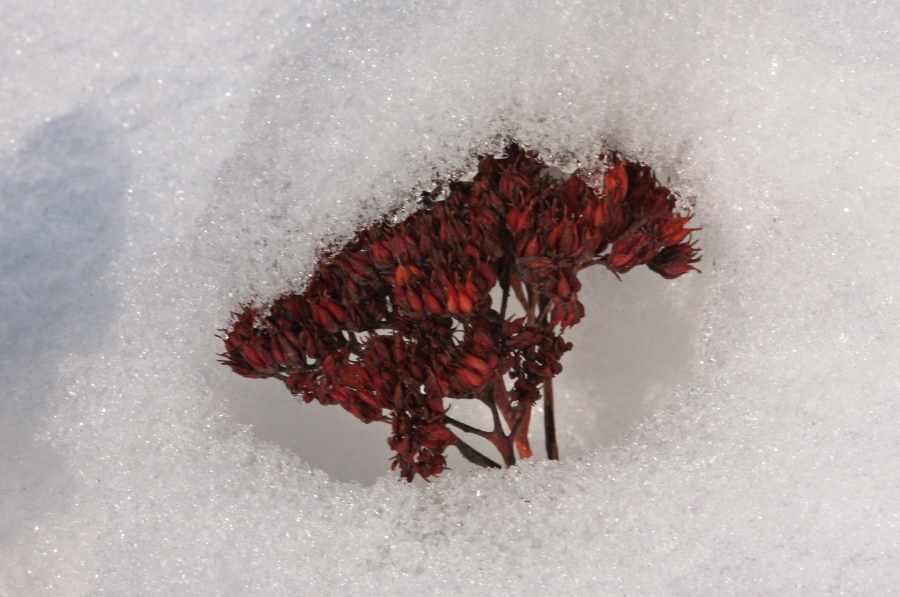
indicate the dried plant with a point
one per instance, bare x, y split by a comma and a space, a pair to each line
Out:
402, 318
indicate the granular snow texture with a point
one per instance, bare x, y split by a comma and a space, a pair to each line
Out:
163, 162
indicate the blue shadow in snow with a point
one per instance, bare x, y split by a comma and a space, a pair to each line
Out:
62, 197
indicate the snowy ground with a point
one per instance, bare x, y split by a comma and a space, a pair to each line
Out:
161, 162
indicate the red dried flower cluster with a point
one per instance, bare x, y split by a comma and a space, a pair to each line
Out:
402, 317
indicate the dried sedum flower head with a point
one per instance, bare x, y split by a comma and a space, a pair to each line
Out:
402, 317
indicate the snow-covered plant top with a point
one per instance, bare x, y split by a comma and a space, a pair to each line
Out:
402, 317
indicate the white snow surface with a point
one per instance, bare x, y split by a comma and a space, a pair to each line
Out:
164, 161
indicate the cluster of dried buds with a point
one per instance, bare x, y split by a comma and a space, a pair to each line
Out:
402, 318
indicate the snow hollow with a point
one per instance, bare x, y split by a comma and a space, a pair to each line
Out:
160, 164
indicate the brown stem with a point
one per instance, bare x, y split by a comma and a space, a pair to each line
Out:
550, 421
596, 261
473, 455
496, 437
516, 283
518, 425
504, 445
495, 413
519, 432
469, 429
546, 308
504, 284
501, 399
530, 306
503, 442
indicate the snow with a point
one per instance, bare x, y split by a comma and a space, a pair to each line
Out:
163, 162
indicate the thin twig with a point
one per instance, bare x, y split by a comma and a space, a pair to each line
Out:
546, 308
468, 428
495, 413
521, 433
501, 399
473, 455
518, 424
503, 442
504, 300
550, 421
530, 307
516, 283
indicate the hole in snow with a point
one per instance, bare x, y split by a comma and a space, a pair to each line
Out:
638, 343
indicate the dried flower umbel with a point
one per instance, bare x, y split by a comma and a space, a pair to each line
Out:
402, 318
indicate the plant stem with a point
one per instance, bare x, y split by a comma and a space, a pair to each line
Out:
503, 442
519, 431
473, 455
468, 428
530, 306
550, 421
516, 284
504, 283
495, 413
